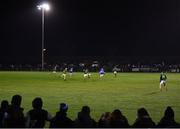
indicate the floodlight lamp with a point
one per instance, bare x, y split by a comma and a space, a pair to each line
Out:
44, 6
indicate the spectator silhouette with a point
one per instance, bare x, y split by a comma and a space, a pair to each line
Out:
37, 117
15, 116
84, 119
143, 119
168, 119
118, 120
3, 112
61, 120
104, 121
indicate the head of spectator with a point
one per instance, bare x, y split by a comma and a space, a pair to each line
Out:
104, 120
116, 114
169, 113
84, 119
60, 120
37, 103
142, 113
143, 119
168, 119
118, 119
105, 116
63, 107
85, 110
4, 105
16, 100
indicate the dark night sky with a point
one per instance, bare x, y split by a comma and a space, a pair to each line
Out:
91, 28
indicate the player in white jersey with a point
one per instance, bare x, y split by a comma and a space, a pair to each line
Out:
64, 73
55, 69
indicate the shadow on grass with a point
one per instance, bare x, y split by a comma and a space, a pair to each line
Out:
152, 93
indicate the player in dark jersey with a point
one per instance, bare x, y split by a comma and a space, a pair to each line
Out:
163, 79
86, 74
115, 71
71, 72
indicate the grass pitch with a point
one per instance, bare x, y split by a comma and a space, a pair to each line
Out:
127, 92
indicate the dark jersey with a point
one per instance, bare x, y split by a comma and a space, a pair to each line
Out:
15, 118
163, 77
86, 71
37, 118
61, 121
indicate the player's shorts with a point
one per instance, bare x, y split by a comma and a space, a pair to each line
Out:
64, 75
85, 75
115, 72
162, 83
101, 75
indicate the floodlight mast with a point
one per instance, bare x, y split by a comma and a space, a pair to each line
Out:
43, 7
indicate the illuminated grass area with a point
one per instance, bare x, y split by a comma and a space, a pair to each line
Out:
127, 92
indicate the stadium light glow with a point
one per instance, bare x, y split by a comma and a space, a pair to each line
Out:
43, 7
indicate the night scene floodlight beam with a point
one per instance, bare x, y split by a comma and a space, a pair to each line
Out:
43, 7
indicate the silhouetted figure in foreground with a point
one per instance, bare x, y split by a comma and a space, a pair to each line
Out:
37, 117
61, 120
3, 112
15, 116
143, 119
118, 120
84, 119
168, 119
104, 121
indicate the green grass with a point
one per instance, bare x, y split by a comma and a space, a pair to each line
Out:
127, 92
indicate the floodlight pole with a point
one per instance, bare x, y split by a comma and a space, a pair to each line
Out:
43, 7
42, 65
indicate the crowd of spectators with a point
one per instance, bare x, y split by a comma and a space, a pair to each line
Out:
95, 66
12, 116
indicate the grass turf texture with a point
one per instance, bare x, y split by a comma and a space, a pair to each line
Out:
127, 92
